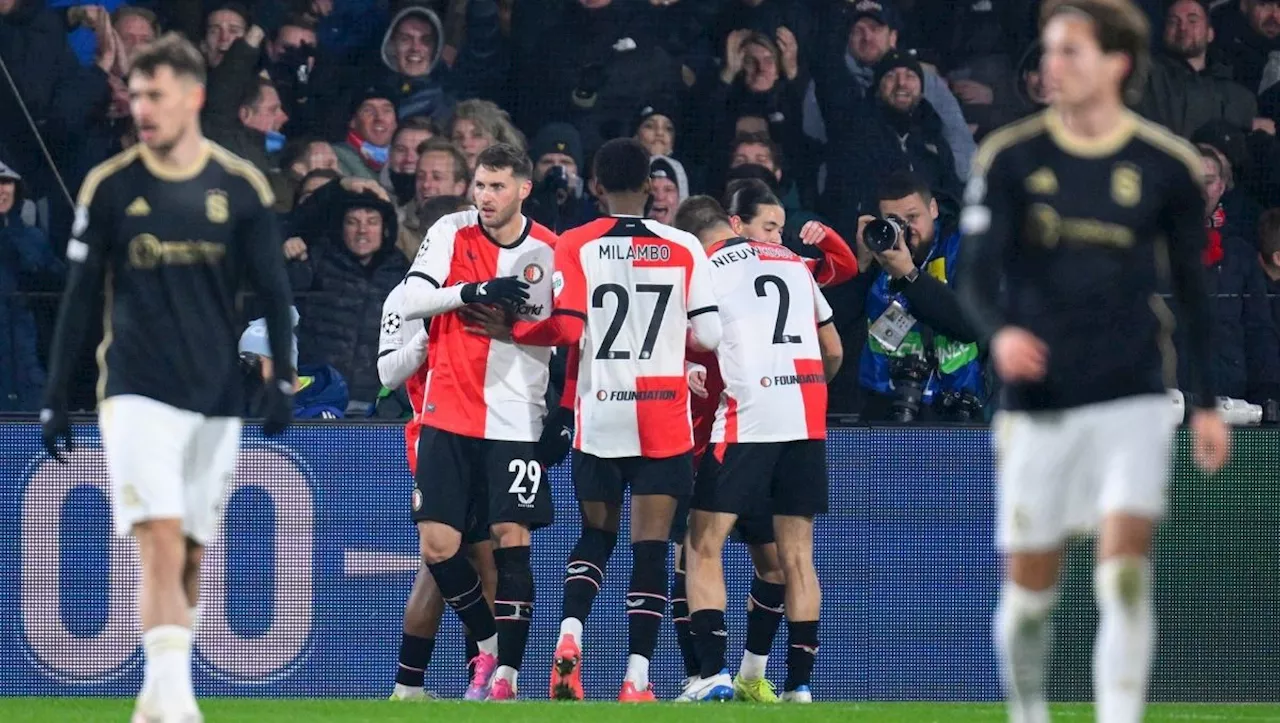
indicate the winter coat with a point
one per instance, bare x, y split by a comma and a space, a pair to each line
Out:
62, 97
859, 157
1183, 99
340, 299
417, 95
25, 256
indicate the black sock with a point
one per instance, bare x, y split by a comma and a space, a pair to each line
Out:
472, 651
584, 573
513, 604
646, 601
802, 639
710, 638
764, 615
680, 616
460, 587
415, 656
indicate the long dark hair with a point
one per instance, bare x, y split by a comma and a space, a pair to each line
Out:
744, 197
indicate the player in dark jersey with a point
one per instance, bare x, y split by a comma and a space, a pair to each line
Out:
166, 233
1076, 217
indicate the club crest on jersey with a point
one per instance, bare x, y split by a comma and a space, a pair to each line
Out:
533, 273
417, 500
1126, 185
216, 206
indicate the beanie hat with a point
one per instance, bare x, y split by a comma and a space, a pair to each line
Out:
557, 138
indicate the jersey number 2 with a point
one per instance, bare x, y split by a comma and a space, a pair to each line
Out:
784, 307
530, 472
607, 351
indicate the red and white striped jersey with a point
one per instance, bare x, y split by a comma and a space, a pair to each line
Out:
637, 283
771, 308
396, 333
477, 386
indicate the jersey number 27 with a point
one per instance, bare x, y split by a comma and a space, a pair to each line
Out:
619, 292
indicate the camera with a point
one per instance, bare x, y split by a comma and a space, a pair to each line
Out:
962, 406
909, 375
882, 234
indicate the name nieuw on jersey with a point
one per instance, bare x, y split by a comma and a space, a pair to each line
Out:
742, 252
635, 252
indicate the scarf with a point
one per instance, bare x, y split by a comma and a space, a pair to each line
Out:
1212, 253
375, 157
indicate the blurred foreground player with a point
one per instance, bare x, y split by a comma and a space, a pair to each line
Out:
631, 293
767, 442
402, 359
484, 407
173, 226
1076, 218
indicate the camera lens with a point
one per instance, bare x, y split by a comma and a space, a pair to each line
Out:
880, 235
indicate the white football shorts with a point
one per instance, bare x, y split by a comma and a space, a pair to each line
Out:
1059, 472
167, 463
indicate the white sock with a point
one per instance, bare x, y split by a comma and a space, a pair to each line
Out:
1126, 634
637, 671
1022, 645
753, 665
507, 673
573, 628
488, 645
168, 668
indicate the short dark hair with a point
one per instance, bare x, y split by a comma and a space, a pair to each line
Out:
433, 209
253, 94
504, 155
238, 8
173, 51
440, 144
417, 123
743, 198
900, 184
1119, 26
296, 20
125, 11
700, 213
622, 165
1269, 233
758, 139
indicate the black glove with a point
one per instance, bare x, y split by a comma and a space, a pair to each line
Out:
557, 437
277, 407
506, 289
54, 427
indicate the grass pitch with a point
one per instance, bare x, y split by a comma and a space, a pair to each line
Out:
275, 710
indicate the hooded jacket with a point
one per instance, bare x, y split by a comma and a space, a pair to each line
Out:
424, 94
340, 299
25, 255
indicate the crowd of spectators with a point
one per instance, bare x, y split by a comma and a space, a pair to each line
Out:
367, 117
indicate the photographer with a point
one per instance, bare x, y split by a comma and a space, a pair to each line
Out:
919, 362
559, 200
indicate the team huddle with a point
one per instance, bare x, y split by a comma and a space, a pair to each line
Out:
653, 319
697, 362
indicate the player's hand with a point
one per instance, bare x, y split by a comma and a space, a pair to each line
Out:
812, 233
487, 321
697, 377
557, 437
507, 289
54, 427
279, 407
1019, 355
1212, 439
